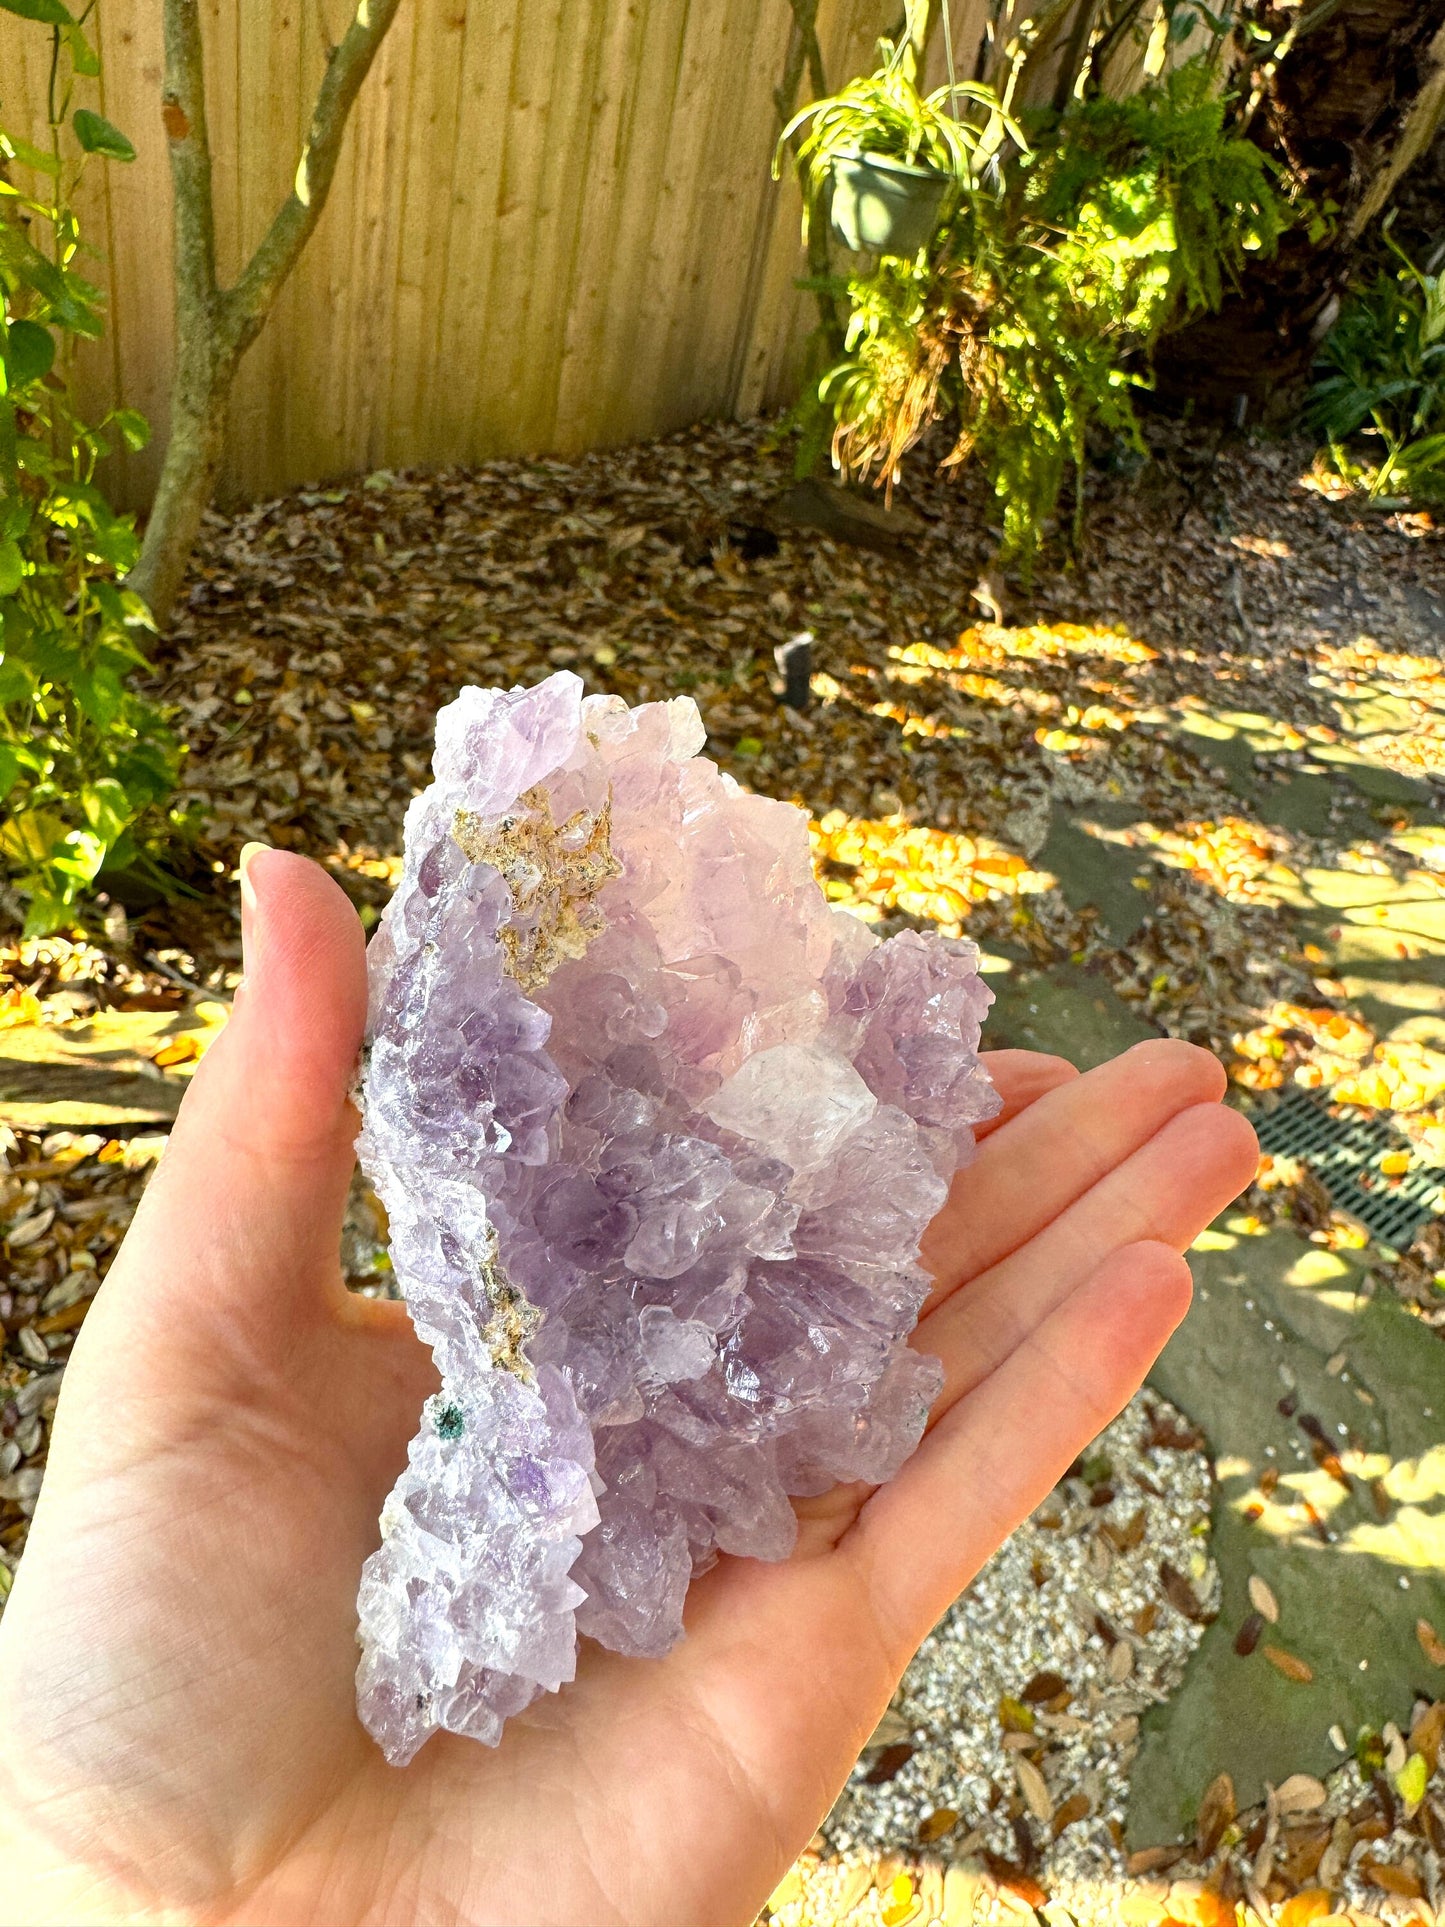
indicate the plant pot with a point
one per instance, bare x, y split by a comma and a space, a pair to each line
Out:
889, 207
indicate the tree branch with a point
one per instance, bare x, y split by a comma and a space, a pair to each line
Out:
803, 51
245, 307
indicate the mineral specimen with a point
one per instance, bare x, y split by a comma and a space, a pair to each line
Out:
657, 1132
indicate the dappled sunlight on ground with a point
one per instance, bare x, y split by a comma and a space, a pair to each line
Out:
872, 868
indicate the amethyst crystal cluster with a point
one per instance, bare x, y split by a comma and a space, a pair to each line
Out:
658, 1132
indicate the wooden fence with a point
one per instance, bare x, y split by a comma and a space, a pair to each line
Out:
552, 227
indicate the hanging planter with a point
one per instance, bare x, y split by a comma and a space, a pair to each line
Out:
883, 205
879, 160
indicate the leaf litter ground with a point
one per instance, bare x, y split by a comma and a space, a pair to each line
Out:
1194, 784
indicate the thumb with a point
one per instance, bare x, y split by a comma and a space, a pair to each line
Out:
248, 1200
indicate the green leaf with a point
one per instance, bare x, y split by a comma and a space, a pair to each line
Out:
29, 353
99, 695
55, 656
148, 774
32, 157
116, 542
16, 682
29, 839
45, 914
97, 135
12, 567
50, 11
9, 770
80, 856
106, 807
83, 56
135, 430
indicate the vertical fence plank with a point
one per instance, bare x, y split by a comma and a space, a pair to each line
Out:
538, 331
600, 262
521, 221
673, 260
267, 54
463, 350
601, 374
428, 164
726, 205
126, 211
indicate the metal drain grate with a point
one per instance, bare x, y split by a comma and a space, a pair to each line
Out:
1345, 1153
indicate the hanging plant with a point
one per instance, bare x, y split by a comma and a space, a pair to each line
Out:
883, 161
1030, 320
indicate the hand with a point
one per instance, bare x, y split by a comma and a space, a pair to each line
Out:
178, 1740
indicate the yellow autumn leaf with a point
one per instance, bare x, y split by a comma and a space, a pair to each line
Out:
18, 1006
185, 1049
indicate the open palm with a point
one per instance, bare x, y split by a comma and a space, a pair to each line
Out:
178, 1738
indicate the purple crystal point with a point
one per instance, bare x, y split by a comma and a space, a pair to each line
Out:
658, 1133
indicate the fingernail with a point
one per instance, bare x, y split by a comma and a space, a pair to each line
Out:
249, 907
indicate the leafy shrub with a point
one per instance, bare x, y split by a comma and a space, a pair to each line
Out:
85, 762
1030, 319
1383, 383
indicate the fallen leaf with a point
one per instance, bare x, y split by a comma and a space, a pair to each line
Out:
1288, 1664
1014, 1716
1302, 1909
30, 1230
1015, 1881
1151, 1860
1411, 1781
1300, 1793
1431, 1644
1262, 1598
1403, 1881
184, 1049
1044, 1686
788, 1889
936, 1824
898, 1907
889, 1764
1179, 1592
19, 1005
1427, 1734
1076, 1807
1247, 1638
889, 1730
1217, 1810
1034, 1788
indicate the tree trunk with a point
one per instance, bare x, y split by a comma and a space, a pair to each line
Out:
215, 325
194, 454
1351, 106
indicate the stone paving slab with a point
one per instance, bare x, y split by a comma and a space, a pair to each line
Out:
1063, 1010
1280, 1356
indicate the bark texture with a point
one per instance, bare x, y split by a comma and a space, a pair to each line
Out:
1352, 104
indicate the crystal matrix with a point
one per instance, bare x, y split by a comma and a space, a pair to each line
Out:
658, 1132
